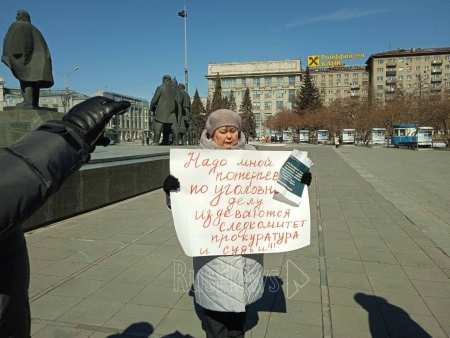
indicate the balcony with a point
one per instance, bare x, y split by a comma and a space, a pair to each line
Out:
391, 64
436, 79
390, 90
394, 81
436, 70
354, 94
435, 88
436, 62
354, 86
391, 72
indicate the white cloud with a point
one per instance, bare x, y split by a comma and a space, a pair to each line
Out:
342, 15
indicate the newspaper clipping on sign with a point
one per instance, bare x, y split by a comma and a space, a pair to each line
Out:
288, 188
225, 204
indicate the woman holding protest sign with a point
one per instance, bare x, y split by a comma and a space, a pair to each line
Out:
225, 285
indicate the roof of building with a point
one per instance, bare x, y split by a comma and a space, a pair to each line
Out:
412, 51
119, 94
53, 93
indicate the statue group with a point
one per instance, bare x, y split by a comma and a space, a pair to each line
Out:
171, 107
26, 53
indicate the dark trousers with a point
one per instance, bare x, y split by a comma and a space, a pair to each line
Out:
224, 324
15, 319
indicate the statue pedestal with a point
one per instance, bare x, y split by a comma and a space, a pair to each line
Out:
14, 123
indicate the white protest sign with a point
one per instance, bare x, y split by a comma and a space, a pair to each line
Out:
225, 203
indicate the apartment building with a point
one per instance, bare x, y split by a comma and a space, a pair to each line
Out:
412, 70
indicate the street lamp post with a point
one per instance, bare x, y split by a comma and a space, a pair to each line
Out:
183, 14
66, 84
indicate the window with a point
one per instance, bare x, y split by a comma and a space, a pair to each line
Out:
427, 67
322, 84
279, 104
338, 92
256, 106
279, 93
365, 74
400, 60
437, 58
447, 57
400, 77
447, 84
291, 95
379, 95
256, 94
243, 93
267, 93
226, 94
391, 60
427, 58
244, 82
447, 76
390, 69
426, 76
345, 76
408, 59
380, 70
279, 80
417, 77
436, 76
338, 76
257, 117
365, 83
391, 78
408, 69
380, 60
417, 67
379, 78
364, 91
228, 83
330, 84
330, 92
213, 83
330, 76
355, 83
268, 105
400, 69
408, 85
338, 84
322, 77
267, 81
447, 66
408, 77
346, 83
418, 58
291, 80
355, 74
314, 77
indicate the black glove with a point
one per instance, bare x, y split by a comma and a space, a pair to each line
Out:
306, 178
170, 183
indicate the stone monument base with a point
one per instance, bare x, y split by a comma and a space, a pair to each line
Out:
14, 123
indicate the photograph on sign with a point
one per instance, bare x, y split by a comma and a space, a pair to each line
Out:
225, 203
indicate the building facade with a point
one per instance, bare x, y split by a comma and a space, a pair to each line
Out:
410, 70
272, 85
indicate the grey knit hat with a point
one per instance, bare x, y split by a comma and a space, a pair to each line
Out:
221, 118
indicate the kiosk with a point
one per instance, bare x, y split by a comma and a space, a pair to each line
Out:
411, 135
304, 136
378, 137
322, 136
348, 137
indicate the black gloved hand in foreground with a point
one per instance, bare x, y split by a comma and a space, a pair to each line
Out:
306, 178
89, 119
170, 183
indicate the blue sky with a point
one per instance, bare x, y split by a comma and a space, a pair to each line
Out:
127, 46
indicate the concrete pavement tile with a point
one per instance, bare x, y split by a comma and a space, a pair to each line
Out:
167, 252
372, 246
32, 238
102, 272
338, 243
385, 270
91, 312
337, 234
117, 292
275, 259
414, 258
39, 283
426, 274
173, 241
185, 322
88, 255
392, 233
414, 326
432, 289
308, 263
405, 247
122, 238
277, 329
55, 254
72, 234
138, 249
346, 297
63, 268
144, 318
339, 265
308, 293
348, 280
445, 324
352, 334
60, 332
119, 259
394, 285
256, 328
164, 297
447, 272
168, 278
139, 275
166, 230
359, 320
381, 257
438, 257
367, 238
351, 254
100, 234
78, 244
135, 230
300, 312
153, 240
51, 307
51, 243
187, 302
310, 251
77, 288
396, 302
37, 265
35, 328
301, 277
438, 306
